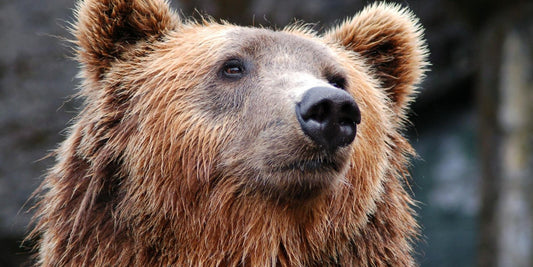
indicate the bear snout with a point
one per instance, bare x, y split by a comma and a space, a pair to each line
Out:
328, 116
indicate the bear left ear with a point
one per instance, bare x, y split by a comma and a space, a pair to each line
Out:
390, 39
105, 29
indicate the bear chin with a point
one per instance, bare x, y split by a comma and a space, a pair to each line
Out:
295, 185
303, 179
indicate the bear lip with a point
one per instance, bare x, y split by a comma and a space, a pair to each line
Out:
317, 165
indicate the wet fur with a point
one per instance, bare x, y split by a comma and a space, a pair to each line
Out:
147, 178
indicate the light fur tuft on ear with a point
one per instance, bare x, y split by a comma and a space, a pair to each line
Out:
105, 29
391, 39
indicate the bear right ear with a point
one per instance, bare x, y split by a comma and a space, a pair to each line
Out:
391, 41
105, 29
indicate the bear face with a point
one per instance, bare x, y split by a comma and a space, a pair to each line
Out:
215, 144
271, 154
262, 143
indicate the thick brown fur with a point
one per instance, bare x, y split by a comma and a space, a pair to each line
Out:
150, 176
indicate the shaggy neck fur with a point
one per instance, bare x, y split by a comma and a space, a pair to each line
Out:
87, 221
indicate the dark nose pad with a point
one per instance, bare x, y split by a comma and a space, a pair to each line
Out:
329, 116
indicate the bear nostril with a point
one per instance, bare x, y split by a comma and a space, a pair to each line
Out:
329, 116
318, 112
350, 113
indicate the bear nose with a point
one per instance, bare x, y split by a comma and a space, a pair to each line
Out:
329, 116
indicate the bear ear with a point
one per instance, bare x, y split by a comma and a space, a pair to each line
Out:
390, 39
105, 29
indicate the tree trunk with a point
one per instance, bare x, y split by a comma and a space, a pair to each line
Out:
506, 131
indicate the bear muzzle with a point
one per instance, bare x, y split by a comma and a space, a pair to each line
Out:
329, 117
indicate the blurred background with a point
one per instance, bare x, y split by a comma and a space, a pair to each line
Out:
472, 124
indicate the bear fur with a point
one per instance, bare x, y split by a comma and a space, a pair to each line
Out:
170, 162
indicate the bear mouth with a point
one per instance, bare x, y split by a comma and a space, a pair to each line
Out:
311, 166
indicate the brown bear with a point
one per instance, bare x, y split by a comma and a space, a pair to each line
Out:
208, 144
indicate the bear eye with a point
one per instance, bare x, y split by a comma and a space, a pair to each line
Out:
337, 81
233, 69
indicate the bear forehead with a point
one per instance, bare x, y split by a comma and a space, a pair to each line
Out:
288, 48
